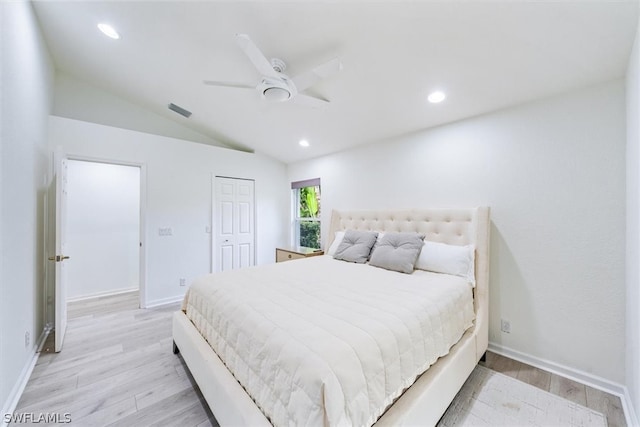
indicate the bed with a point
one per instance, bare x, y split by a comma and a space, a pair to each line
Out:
260, 310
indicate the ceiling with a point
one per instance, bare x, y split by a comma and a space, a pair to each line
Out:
484, 55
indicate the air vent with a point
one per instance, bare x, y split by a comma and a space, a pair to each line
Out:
179, 110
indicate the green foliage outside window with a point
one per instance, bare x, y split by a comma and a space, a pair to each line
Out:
309, 231
310, 234
309, 202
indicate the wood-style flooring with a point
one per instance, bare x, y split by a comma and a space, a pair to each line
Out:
117, 368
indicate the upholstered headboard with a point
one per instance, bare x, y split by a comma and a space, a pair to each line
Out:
451, 226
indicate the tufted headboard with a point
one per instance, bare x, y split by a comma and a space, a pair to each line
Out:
451, 226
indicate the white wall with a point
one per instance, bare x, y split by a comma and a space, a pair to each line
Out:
553, 174
26, 82
179, 191
75, 99
103, 228
633, 228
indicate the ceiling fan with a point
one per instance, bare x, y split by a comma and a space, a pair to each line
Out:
276, 86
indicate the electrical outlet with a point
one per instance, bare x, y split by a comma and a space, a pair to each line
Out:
27, 339
505, 326
183, 282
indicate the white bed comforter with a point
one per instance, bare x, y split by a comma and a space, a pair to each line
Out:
325, 342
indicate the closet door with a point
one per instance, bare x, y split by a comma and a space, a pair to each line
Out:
234, 223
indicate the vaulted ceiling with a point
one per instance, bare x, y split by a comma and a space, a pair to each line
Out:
484, 55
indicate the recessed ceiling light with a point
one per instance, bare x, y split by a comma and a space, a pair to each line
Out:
437, 96
108, 31
304, 143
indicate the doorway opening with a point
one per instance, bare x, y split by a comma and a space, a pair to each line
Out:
102, 229
94, 234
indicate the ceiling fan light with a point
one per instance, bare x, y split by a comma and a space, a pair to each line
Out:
276, 94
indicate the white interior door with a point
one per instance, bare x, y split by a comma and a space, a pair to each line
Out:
60, 183
234, 222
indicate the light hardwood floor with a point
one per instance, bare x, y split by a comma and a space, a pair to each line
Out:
117, 368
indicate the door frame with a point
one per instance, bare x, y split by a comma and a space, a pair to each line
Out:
212, 226
142, 273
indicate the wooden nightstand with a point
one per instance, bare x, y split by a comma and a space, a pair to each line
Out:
296, 252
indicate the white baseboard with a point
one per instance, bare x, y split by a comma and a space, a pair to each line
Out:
103, 294
586, 378
164, 301
23, 379
629, 411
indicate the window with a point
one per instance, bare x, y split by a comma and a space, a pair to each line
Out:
306, 213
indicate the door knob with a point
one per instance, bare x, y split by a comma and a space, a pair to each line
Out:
58, 258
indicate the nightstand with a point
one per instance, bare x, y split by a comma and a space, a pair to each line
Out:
296, 252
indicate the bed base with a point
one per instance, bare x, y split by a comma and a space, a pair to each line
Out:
428, 398
227, 399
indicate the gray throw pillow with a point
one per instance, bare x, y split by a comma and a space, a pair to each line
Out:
397, 252
356, 246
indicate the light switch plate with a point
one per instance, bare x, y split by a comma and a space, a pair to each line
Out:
165, 231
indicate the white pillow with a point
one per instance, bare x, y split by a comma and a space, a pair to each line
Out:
378, 240
336, 242
449, 259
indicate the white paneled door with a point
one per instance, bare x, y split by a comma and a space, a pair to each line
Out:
60, 189
234, 223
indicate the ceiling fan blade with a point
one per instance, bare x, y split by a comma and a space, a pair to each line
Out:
228, 84
313, 76
310, 101
256, 57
